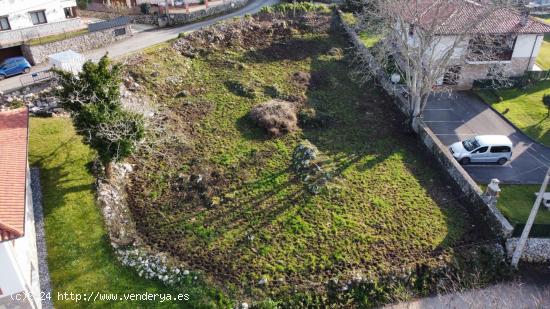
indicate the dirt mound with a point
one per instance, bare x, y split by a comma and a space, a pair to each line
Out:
277, 117
245, 33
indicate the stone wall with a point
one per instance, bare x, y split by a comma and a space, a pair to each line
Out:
471, 72
39, 53
536, 250
174, 19
488, 211
150, 19
15, 37
228, 7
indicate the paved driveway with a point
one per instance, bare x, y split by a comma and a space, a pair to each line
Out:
144, 39
461, 115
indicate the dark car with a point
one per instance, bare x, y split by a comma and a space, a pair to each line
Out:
14, 66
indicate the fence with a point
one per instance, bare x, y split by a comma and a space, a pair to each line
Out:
529, 77
113, 23
36, 77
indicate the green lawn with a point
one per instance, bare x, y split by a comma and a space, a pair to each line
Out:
56, 37
524, 108
386, 207
80, 258
516, 202
369, 39
543, 59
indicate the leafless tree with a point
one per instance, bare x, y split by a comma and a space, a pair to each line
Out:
423, 40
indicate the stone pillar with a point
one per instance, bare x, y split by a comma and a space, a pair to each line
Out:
492, 193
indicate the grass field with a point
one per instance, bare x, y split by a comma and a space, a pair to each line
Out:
516, 202
543, 59
524, 108
385, 208
56, 37
80, 258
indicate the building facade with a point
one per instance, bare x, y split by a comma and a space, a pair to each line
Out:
518, 57
19, 274
475, 41
23, 20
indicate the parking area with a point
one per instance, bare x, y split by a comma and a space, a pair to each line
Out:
460, 115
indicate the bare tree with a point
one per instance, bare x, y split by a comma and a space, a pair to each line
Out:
424, 40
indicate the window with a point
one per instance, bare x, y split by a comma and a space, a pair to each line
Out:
4, 23
481, 150
69, 12
499, 149
119, 31
452, 75
38, 17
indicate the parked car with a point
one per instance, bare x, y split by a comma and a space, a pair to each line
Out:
13, 66
483, 149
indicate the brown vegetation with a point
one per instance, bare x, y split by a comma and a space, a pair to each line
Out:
277, 117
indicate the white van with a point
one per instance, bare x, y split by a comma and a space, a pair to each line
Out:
483, 149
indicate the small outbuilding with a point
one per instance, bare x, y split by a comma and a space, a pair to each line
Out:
67, 60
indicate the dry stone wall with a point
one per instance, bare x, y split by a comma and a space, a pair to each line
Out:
39, 53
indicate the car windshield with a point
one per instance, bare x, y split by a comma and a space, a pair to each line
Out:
470, 144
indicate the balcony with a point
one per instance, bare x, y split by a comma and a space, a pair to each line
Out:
490, 49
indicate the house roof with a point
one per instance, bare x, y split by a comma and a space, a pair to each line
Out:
13, 172
469, 17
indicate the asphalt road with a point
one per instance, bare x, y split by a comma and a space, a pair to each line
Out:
144, 39
461, 115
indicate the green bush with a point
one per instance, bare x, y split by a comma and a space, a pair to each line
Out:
82, 4
296, 7
145, 8
546, 101
94, 102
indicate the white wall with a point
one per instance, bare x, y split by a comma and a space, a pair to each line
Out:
527, 45
443, 44
18, 11
19, 258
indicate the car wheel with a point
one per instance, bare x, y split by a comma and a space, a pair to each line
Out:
465, 161
502, 161
2, 76
26, 70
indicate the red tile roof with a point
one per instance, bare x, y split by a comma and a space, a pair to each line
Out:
468, 17
13, 172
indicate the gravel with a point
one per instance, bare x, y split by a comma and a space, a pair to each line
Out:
45, 285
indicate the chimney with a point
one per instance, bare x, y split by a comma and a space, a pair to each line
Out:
524, 18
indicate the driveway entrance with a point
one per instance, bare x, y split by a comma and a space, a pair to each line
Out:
460, 115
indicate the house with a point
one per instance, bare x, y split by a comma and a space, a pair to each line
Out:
538, 3
22, 20
486, 42
18, 253
128, 3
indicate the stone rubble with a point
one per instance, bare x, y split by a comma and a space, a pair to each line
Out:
537, 250
40, 100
